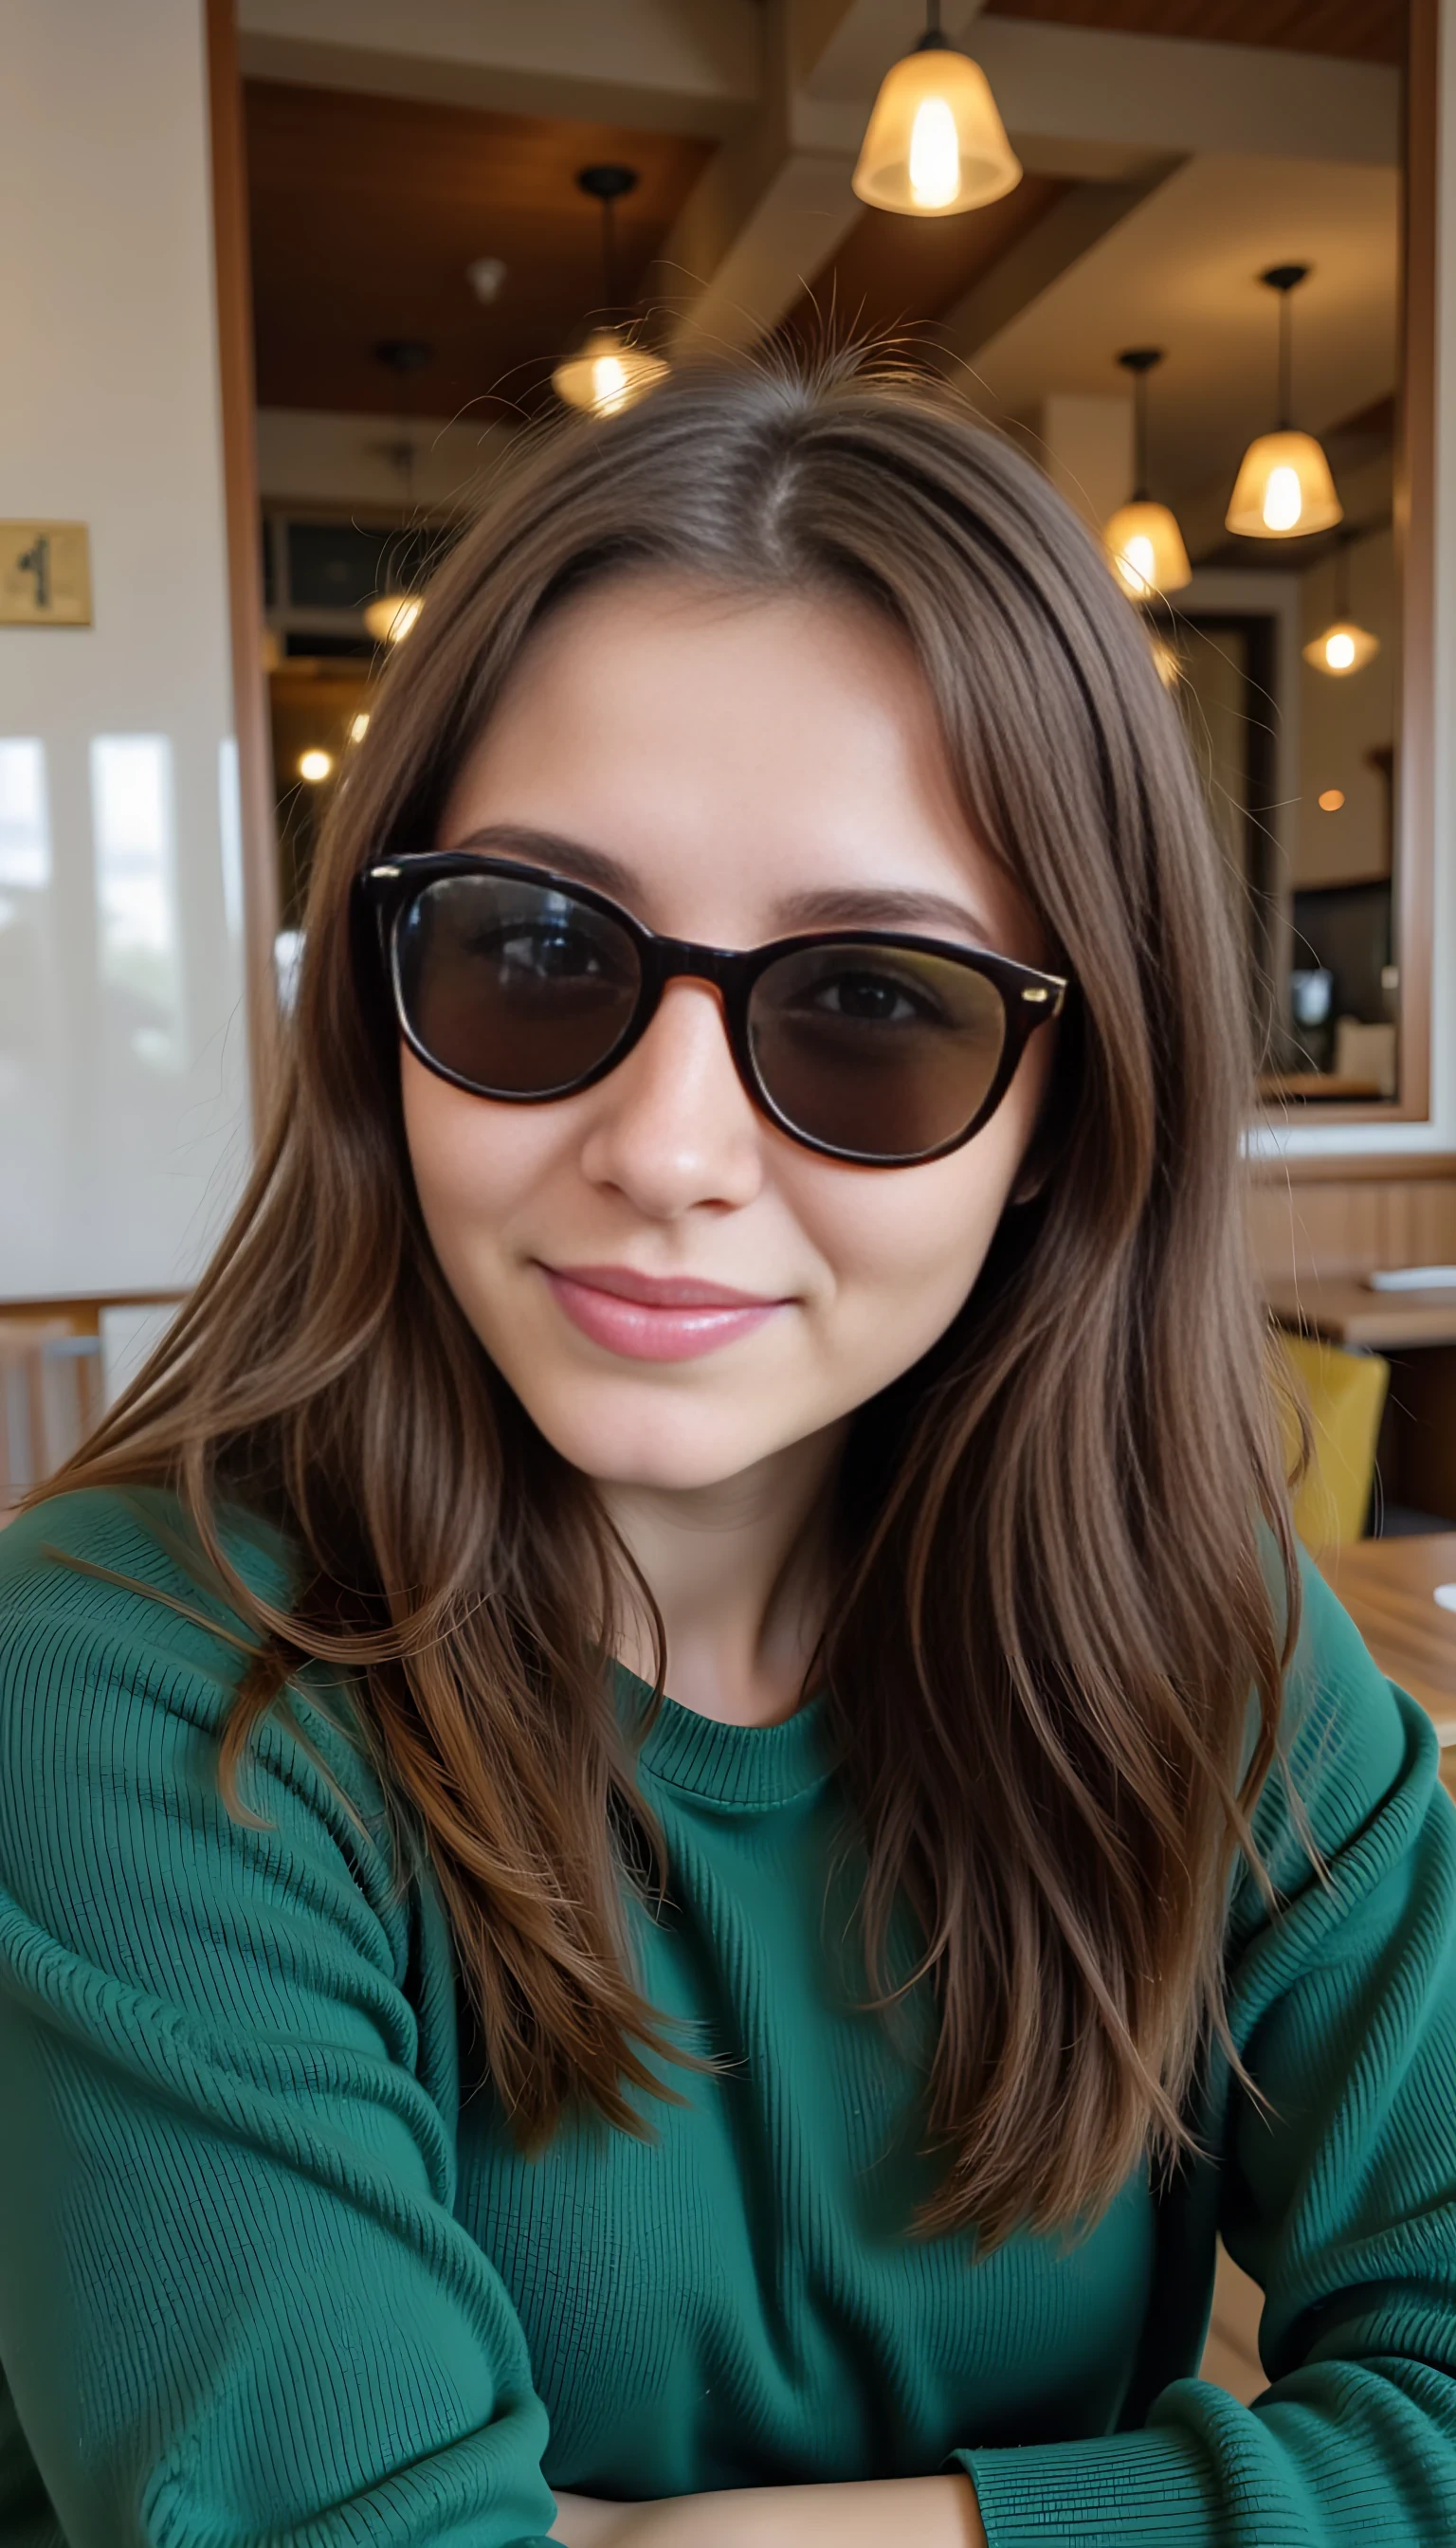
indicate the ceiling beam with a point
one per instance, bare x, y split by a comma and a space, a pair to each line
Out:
771, 211
1023, 274
687, 67
1169, 93
766, 214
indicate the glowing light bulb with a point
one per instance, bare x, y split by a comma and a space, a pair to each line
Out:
360, 726
1339, 651
935, 155
315, 766
1332, 799
391, 617
609, 383
1137, 563
1283, 500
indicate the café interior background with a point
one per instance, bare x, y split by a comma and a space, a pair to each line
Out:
280, 287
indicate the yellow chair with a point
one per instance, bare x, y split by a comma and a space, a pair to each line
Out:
1343, 1395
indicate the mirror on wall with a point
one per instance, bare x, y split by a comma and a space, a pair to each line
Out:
1205, 309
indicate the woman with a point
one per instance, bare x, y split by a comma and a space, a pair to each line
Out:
753, 1215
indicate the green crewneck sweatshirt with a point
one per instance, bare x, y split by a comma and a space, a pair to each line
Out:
271, 2270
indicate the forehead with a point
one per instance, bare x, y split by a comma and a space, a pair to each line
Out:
730, 754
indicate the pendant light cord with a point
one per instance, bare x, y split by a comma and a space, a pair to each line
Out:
609, 255
933, 17
1139, 438
1285, 361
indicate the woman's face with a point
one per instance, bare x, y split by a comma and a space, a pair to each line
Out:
748, 768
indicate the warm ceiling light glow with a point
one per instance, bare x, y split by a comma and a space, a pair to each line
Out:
935, 143
935, 156
392, 616
1168, 662
360, 726
1282, 502
1331, 800
315, 764
1145, 549
1144, 544
1284, 490
609, 374
1343, 647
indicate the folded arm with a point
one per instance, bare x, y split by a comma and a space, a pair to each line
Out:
934, 2512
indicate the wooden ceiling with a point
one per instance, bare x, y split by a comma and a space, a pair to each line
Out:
366, 212
1363, 31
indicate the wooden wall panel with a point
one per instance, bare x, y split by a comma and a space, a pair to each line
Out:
1313, 1219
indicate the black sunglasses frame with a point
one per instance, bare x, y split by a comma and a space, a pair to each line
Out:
1029, 999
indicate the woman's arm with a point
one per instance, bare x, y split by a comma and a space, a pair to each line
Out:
1337, 2193
934, 2512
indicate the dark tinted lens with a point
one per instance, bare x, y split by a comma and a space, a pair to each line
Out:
877, 1050
517, 990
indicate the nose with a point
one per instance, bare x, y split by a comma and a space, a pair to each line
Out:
672, 1127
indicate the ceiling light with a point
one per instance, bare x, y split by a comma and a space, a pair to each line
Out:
609, 372
315, 764
360, 726
1284, 488
935, 143
1344, 646
391, 617
1332, 799
486, 276
1143, 540
1168, 662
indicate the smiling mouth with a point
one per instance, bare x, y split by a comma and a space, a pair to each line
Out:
664, 1291
649, 1317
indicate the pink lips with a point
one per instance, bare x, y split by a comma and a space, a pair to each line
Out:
655, 1317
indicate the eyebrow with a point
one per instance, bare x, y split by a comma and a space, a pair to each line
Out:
822, 907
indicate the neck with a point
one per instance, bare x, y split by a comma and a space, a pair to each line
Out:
740, 1572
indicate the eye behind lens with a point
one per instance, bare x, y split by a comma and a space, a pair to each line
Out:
513, 988
887, 1053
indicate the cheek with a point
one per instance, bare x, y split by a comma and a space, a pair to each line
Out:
473, 1161
909, 1242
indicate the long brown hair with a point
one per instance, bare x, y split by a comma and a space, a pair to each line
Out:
1068, 1589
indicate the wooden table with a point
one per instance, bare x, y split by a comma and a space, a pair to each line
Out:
1387, 1586
1348, 1313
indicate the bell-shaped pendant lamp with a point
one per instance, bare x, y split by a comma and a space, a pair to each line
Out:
1143, 543
935, 143
609, 372
1344, 646
1284, 488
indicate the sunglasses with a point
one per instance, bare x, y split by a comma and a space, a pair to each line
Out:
869, 1045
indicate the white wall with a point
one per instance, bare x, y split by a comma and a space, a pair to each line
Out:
317, 456
123, 1060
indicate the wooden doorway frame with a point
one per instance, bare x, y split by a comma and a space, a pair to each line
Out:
238, 404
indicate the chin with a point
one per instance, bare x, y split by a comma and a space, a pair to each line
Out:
673, 1448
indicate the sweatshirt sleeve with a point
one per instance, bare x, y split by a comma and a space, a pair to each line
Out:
1340, 2198
235, 2306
